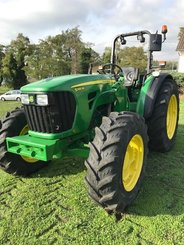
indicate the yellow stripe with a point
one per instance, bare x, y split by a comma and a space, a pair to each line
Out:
93, 83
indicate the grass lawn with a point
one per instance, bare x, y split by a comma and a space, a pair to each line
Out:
52, 206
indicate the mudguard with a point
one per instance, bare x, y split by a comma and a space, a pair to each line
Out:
149, 94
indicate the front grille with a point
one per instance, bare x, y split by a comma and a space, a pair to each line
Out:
56, 117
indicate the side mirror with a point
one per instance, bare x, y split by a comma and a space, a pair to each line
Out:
155, 42
141, 38
122, 40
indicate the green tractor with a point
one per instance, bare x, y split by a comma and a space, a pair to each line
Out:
120, 112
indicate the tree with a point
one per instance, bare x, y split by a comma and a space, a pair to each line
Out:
49, 58
88, 57
58, 55
129, 56
106, 56
1, 62
74, 46
85, 60
13, 62
9, 70
21, 49
42, 63
62, 54
133, 56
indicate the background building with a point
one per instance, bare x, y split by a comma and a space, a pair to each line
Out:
180, 49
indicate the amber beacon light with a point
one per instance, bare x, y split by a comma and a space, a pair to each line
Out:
164, 29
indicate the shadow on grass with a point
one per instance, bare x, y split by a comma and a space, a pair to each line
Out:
60, 167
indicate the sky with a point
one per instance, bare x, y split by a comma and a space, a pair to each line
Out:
99, 20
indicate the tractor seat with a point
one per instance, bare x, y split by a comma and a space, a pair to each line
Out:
131, 75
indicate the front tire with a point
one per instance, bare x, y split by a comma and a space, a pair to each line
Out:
163, 124
14, 124
116, 162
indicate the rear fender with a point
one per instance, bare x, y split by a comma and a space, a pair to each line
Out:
149, 94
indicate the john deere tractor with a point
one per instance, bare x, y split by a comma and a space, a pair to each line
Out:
110, 118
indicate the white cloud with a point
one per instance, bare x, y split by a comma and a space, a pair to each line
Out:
100, 20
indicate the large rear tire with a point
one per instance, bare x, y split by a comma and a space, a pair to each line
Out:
116, 162
15, 124
163, 124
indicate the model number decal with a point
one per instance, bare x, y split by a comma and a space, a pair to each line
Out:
79, 89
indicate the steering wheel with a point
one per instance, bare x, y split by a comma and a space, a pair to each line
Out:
111, 69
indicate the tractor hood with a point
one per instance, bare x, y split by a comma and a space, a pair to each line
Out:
66, 83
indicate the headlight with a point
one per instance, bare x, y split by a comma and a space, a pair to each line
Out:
42, 99
24, 99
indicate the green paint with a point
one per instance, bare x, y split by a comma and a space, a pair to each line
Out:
78, 152
133, 106
66, 83
142, 96
121, 103
37, 148
95, 95
43, 149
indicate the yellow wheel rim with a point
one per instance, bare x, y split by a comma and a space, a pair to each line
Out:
133, 162
27, 159
172, 113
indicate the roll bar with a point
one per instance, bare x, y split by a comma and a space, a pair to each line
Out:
155, 43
